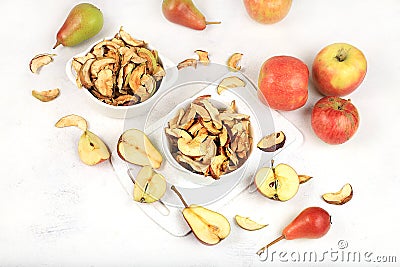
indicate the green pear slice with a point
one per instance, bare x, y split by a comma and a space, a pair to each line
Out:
92, 149
149, 186
135, 147
208, 226
248, 224
279, 183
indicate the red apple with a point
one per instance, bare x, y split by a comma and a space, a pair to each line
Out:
338, 69
334, 120
283, 82
267, 11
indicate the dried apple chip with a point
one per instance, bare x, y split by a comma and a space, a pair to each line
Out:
46, 96
230, 82
72, 120
203, 56
233, 61
38, 61
272, 142
190, 62
127, 38
344, 195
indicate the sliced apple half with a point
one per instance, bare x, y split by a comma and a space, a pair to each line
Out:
248, 224
344, 195
135, 147
278, 183
92, 149
149, 186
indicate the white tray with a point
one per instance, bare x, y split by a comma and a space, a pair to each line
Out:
190, 84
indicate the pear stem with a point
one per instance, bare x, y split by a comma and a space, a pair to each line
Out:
57, 44
261, 251
173, 188
213, 22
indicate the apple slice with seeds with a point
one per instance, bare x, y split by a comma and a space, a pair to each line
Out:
149, 186
135, 147
248, 224
272, 142
278, 183
344, 195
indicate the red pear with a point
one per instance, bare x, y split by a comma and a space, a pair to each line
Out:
313, 222
185, 13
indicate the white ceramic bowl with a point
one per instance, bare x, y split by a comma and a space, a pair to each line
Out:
124, 112
191, 176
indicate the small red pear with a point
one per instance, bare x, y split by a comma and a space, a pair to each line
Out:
185, 13
313, 222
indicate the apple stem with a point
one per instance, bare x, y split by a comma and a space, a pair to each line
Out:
213, 22
261, 251
173, 188
341, 55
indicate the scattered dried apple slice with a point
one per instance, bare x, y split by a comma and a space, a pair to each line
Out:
127, 38
233, 61
203, 57
190, 62
149, 186
248, 224
39, 61
47, 95
304, 178
72, 120
135, 147
272, 142
344, 195
230, 82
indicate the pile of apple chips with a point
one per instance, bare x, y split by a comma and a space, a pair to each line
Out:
209, 141
121, 71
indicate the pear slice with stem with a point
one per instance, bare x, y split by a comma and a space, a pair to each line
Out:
248, 224
149, 186
208, 226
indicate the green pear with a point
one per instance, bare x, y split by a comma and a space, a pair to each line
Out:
83, 22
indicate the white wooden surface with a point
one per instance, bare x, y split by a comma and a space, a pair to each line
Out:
55, 211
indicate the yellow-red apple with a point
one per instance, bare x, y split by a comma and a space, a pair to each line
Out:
334, 120
267, 11
283, 83
338, 69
